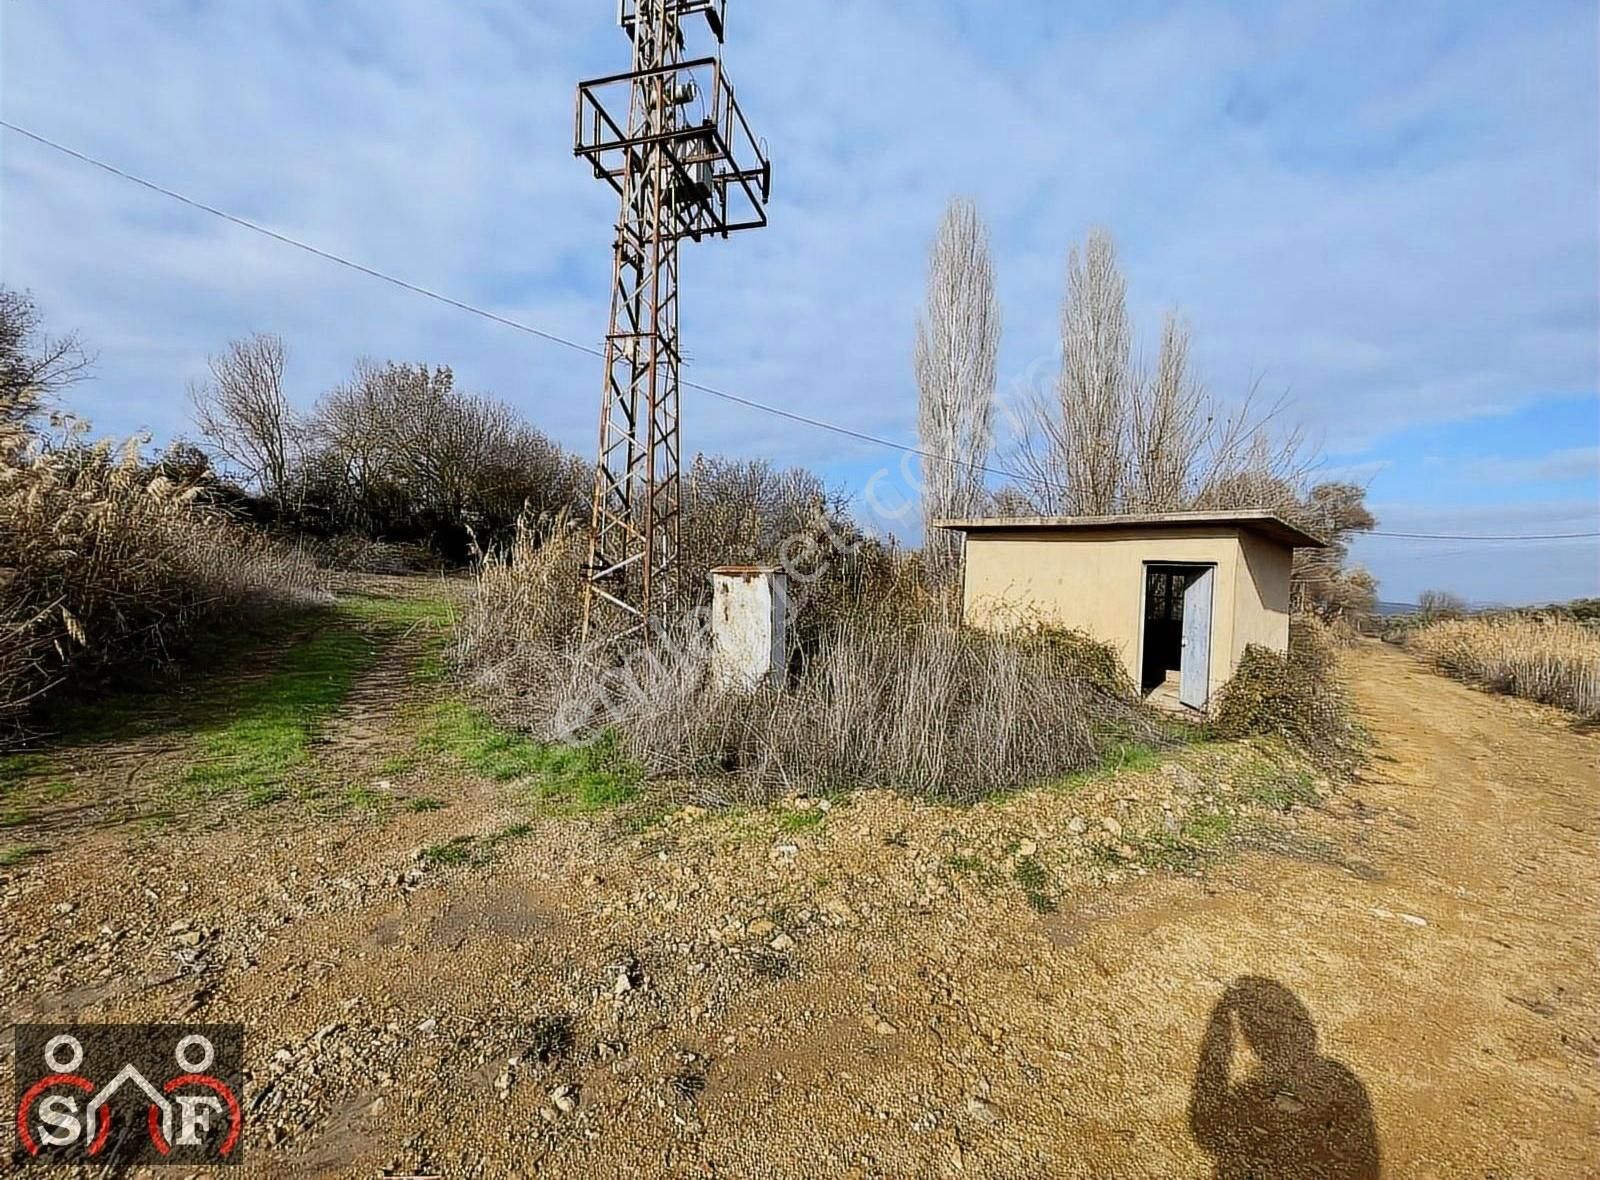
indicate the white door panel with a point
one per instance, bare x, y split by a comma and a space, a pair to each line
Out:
1194, 678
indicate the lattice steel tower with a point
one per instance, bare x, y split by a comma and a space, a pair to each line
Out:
671, 140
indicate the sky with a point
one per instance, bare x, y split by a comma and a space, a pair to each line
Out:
1384, 214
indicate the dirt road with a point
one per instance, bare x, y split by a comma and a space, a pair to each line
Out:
443, 982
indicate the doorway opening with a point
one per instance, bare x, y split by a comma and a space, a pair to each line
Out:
1176, 658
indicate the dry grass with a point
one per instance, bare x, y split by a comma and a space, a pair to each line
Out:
1552, 660
104, 560
887, 695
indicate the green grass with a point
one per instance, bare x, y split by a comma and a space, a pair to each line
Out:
424, 803
1121, 758
563, 778
957, 862
1278, 788
364, 798
457, 851
266, 731
472, 850
799, 821
1199, 838
16, 854
1035, 882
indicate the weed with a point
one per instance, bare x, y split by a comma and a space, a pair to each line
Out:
364, 798
1198, 839
455, 851
550, 1039
1277, 788
424, 803
799, 821
1035, 882
395, 767
16, 854
1129, 757
962, 863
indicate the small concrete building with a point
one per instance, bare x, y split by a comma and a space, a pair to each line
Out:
1179, 595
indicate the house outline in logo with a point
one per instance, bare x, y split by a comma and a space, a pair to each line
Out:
129, 1073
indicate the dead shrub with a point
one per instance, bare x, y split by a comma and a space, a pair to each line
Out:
1293, 695
105, 560
1553, 660
893, 692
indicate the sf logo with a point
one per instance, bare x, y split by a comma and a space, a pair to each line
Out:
66, 1111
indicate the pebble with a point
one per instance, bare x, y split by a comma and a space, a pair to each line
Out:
782, 943
1027, 848
982, 1111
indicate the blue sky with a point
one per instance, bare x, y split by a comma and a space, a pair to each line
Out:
1385, 212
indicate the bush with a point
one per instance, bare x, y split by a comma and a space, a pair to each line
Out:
105, 560
1551, 659
892, 692
1295, 695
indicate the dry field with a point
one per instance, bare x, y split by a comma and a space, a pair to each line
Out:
1554, 661
458, 955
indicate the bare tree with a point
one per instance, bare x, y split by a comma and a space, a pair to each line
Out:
33, 366
1441, 604
245, 414
1166, 427
957, 352
1073, 441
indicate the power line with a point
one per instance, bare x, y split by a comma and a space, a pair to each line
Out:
460, 305
553, 338
1488, 537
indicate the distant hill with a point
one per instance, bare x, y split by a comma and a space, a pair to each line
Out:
1387, 610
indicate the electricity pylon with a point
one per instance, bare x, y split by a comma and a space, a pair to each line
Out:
670, 139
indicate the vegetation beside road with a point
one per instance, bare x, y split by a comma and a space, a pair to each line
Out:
1547, 658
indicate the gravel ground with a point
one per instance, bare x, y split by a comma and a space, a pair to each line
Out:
867, 986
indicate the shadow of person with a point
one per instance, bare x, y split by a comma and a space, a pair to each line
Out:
1295, 1115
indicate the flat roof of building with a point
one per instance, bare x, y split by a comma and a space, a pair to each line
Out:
1257, 520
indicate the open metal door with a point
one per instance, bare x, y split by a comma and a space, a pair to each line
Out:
1194, 678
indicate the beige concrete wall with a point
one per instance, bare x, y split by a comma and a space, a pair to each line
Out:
1262, 595
1093, 580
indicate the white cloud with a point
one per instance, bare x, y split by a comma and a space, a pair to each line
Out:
1569, 463
1389, 214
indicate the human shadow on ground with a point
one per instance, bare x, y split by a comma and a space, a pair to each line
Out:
1295, 1115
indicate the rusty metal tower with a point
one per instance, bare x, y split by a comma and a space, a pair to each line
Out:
670, 139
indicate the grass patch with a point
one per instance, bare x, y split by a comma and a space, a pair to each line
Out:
799, 821
457, 851
1035, 882
363, 798
424, 803
16, 854
1121, 758
472, 850
1199, 838
567, 778
1277, 788
395, 767
1129, 757
269, 726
